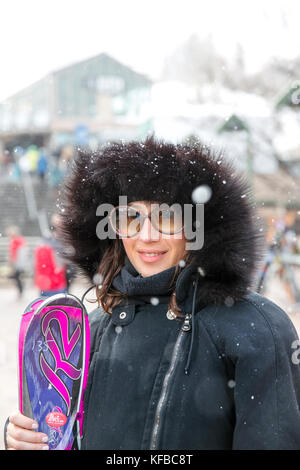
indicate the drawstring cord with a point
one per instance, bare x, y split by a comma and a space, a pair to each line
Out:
86, 292
186, 369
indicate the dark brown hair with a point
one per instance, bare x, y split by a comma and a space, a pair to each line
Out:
110, 266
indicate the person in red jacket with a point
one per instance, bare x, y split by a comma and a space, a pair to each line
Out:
50, 269
17, 256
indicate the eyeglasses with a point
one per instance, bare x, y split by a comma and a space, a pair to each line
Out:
127, 221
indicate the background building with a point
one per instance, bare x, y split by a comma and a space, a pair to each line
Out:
86, 103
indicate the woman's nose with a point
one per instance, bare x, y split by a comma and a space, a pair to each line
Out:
148, 232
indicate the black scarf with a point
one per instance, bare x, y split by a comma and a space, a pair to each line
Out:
139, 288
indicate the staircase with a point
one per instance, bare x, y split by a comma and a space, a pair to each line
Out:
15, 209
14, 206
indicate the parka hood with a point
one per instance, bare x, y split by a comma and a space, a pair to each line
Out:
157, 171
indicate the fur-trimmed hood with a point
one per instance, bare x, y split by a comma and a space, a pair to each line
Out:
157, 171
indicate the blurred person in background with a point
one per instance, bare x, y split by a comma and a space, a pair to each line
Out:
281, 254
6, 164
66, 158
50, 269
290, 244
24, 163
42, 164
18, 256
16, 169
32, 156
55, 175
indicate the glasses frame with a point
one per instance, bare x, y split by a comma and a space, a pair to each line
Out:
143, 217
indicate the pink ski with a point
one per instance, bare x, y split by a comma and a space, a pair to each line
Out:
54, 346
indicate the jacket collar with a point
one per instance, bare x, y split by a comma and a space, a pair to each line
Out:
142, 290
131, 283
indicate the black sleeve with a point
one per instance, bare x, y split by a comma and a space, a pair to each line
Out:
267, 383
261, 350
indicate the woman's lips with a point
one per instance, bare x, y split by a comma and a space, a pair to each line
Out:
151, 257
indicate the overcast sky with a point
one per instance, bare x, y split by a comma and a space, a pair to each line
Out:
39, 36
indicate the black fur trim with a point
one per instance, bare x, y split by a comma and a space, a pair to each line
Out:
157, 171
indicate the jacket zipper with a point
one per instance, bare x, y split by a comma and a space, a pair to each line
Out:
157, 422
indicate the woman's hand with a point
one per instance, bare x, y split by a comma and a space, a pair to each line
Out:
21, 434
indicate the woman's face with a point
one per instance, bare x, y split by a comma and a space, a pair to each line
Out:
170, 249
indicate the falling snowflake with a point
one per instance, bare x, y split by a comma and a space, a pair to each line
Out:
229, 301
201, 194
154, 300
231, 383
201, 271
97, 278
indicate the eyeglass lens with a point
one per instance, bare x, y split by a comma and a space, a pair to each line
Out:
127, 220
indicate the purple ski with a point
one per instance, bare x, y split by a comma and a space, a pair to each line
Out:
54, 346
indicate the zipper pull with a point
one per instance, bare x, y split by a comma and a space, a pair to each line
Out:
186, 324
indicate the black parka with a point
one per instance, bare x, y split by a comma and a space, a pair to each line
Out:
231, 381
228, 379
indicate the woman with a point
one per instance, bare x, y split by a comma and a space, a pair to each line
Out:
184, 354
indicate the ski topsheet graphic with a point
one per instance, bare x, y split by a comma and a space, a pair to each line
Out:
54, 344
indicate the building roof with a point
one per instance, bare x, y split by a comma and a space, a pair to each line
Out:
99, 57
290, 98
102, 57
